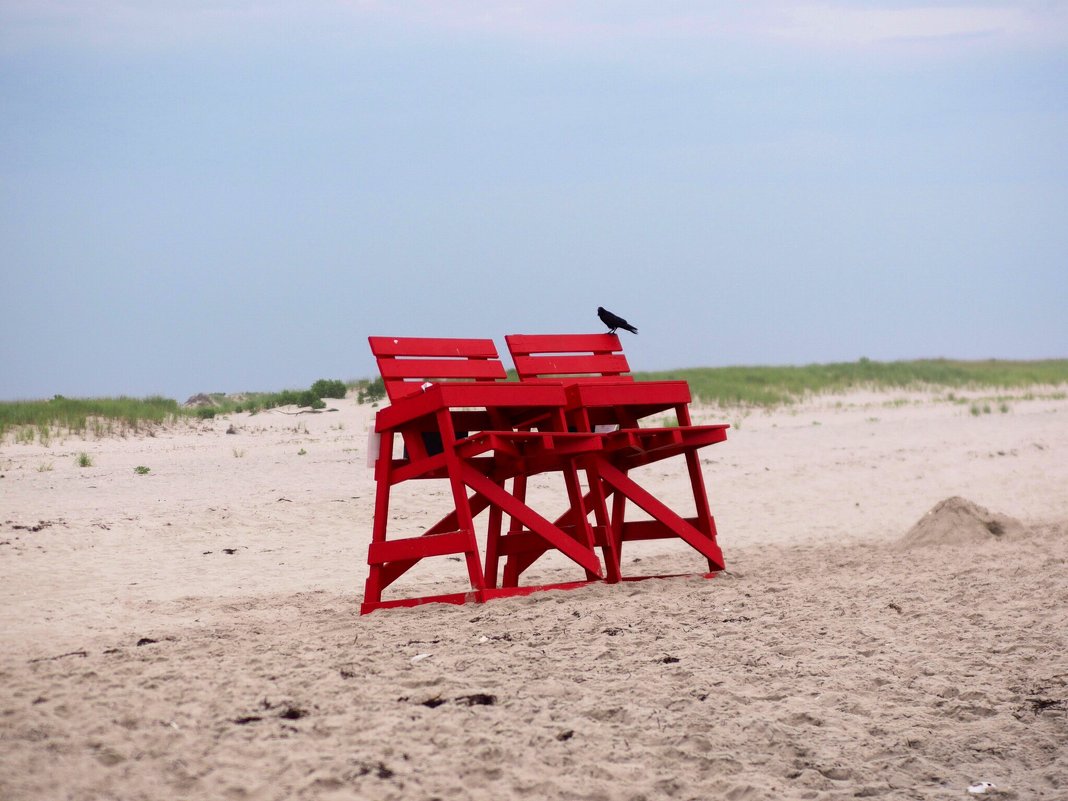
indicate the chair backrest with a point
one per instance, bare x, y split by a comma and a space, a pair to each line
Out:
577, 357
406, 363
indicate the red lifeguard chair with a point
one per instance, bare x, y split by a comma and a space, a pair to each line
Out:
460, 422
602, 396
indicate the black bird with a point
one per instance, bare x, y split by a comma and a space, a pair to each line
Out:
614, 321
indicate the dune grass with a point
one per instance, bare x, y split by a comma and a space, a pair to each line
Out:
40, 420
255, 402
774, 386
78, 415
726, 386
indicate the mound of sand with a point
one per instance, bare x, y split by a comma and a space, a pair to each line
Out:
198, 401
958, 521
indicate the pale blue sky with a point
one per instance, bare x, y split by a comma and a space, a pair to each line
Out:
228, 196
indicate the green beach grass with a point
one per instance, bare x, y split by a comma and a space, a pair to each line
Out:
775, 386
79, 415
33, 420
724, 386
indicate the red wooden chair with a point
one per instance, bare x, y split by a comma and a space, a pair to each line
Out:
603, 395
440, 391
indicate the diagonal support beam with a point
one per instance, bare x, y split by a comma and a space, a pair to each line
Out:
584, 557
627, 487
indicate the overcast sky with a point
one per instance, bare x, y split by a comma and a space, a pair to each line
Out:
232, 195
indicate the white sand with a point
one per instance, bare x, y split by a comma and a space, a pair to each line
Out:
837, 658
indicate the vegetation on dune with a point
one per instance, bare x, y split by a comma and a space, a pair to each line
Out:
726, 386
42, 419
773, 386
328, 388
323, 388
370, 391
77, 415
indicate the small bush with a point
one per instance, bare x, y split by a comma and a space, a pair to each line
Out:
141, 470
371, 392
83, 459
287, 397
329, 388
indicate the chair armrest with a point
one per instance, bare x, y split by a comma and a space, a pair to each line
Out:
664, 394
513, 400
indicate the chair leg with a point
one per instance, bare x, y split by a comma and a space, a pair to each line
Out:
493, 541
512, 568
599, 502
619, 511
372, 592
464, 518
580, 517
466, 524
705, 522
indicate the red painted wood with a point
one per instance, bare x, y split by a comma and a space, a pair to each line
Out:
528, 344
432, 369
490, 594
662, 395
451, 598
581, 555
599, 393
591, 356
497, 442
407, 362
674, 523
430, 545
606, 366
467, 393
433, 346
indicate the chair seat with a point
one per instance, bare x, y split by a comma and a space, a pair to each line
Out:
633, 447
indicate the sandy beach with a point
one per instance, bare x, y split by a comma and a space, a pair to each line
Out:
893, 622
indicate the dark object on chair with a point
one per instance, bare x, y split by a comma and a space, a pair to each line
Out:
614, 321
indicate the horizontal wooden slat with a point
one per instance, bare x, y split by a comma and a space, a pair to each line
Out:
527, 344
433, 346
484, 369
596, 365
516, 542
418, 547
451, 598
634, 530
